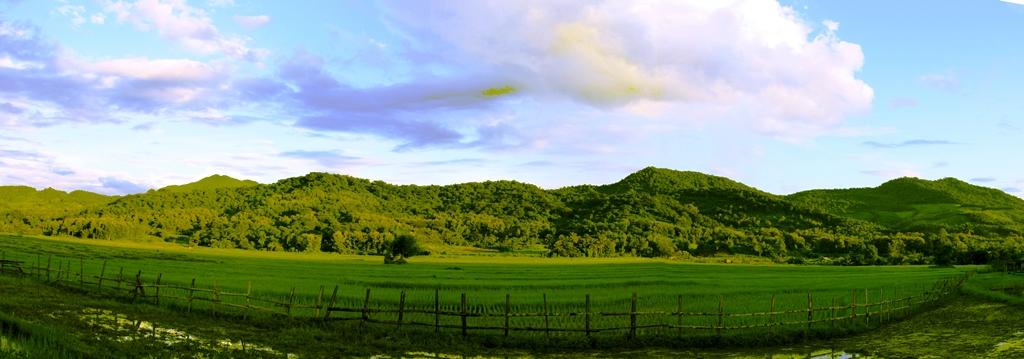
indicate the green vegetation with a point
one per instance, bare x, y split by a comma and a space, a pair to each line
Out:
94, 326
486, 280
211, 183
651, 213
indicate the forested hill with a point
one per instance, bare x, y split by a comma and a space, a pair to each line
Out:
911, 204
210, 183
25, 198
653, 212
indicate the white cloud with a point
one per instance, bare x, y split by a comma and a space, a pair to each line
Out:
831, 25
146, 69
251, 22
222, 3
7, 62
74, 12
174, 20
749, 59
1018, 2
98, 18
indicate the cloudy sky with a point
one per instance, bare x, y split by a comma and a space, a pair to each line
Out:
122, 96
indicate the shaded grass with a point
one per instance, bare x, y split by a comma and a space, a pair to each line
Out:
982, 286
29, 340
486, 281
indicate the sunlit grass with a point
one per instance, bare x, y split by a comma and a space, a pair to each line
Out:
565, 282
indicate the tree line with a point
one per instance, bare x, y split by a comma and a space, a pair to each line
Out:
651, 213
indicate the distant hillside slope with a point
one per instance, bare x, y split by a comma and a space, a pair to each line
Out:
23, 209
209, 183
694, 212
28, 198
926, 206
653, 212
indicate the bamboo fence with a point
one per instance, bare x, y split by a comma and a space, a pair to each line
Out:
863, 311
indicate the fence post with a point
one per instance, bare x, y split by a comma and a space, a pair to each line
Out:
366, 307
679, 317
319, 302
248, 294
99, 283
508, 307
401, 309
156, 301
120, 276
48, 258
810, 312
39, 265
191, 292
330, 304
771, 324
60, 266
720, 300
883, 315
833, 319
291, 297
216, 298
463, 314
588, 314
81, 272
903, 303
632, 319
853, 307
437, 310
138, 286
867, 308
547, 325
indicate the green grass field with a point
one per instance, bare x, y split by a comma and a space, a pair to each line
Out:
486, 280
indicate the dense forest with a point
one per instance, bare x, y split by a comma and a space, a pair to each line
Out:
651, 213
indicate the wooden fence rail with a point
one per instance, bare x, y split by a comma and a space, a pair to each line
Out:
898, 304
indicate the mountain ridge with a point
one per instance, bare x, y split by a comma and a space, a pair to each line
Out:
651, 212
215, 181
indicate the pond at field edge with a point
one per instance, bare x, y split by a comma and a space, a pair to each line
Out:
8, 345
128, 329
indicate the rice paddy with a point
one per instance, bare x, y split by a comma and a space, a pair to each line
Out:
660, 285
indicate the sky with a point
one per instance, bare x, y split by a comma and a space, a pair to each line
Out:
118, 97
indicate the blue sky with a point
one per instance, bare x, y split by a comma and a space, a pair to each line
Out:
122, 96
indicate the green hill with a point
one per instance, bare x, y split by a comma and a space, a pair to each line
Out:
651, 213
665, 181
28, 198
911, 204
210, 183
24, 210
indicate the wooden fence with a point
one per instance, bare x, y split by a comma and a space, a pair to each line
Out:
873, 312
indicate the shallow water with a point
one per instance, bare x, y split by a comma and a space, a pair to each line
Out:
8, 345
128, 329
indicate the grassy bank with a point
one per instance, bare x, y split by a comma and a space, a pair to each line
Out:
486, 281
